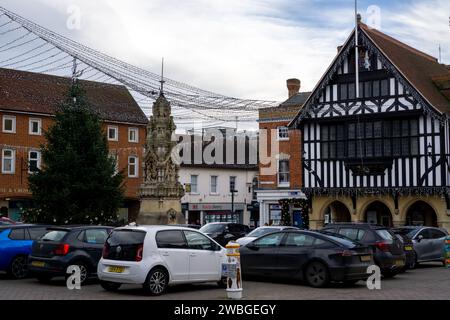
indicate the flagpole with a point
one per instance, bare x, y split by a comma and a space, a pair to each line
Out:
356, 50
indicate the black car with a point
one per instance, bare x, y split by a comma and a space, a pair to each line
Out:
408, 247
387, 249
224, 232
315, 257
62, 247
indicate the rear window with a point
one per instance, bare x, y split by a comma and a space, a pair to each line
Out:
126, 237
17, 234
384, 234
353, 233
36, 233
54, 235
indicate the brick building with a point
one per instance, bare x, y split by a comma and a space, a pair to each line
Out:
284, 149
27, 105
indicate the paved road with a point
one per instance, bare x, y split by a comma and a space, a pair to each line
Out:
430, 281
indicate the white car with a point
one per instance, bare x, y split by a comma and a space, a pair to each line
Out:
261, 231
159, 256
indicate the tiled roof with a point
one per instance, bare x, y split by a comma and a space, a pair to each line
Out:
298, 100
41, 93
418, 68
286, 110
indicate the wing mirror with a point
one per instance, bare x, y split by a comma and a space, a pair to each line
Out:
419, 238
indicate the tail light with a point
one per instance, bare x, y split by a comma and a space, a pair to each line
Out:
347, 253
383, 246
62, 249
139, 252
105, 252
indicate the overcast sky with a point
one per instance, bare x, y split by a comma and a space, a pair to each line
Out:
242, 48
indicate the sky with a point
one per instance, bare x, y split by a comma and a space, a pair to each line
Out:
239, 48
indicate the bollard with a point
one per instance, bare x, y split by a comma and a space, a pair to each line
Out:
447, 252
233, 271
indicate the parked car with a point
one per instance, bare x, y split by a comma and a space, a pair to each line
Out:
387, 248
15, 246
158, 256
315, 257
192, 226
408, 248
62, 247
258, 232
224, 232
428, 242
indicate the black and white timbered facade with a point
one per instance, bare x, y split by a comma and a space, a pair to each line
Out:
384, 157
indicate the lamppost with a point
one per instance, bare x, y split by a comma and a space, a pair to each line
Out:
233, 191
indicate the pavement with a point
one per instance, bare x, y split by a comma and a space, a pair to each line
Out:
428, 282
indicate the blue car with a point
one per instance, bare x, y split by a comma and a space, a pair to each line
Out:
15, 246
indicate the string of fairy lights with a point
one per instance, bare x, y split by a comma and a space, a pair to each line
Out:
27, 46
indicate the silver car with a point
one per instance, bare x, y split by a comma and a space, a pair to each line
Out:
428, 242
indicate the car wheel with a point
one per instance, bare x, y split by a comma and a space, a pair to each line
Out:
156, 282
317, 275
110, 286
83, 271
222, 283
19, 267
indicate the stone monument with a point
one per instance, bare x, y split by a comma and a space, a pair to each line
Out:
161, 192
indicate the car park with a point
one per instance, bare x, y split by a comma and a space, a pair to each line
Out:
15, 245
315, 257
259, 232
158, 256
387, 249
224, 232
428, 242
61, 247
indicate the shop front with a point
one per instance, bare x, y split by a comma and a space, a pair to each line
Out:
215, 212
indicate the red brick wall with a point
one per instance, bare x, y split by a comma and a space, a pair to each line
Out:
292, 147
16, 185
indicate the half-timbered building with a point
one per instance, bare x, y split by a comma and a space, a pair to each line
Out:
381, 156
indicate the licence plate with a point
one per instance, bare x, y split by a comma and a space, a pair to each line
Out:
408, 248
38, 264
365, 258
116, 269
399, 263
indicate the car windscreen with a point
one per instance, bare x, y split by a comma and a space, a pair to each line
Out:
54, 235
261, 231
212, 228
385, 234
126, 237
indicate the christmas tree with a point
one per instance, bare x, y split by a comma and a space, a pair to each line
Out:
78, 182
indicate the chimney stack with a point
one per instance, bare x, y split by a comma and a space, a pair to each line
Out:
293, 86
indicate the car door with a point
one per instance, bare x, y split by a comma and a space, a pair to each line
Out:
294, 252
172, 248
93, 242
205, 257
259, 257
438, 243
424, 246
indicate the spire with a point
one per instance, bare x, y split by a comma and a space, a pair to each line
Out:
162, 78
